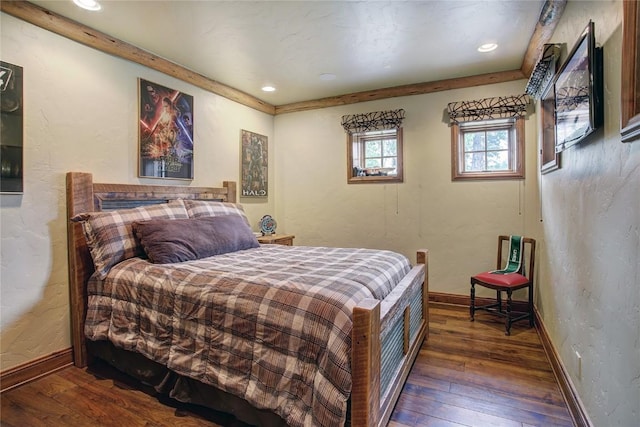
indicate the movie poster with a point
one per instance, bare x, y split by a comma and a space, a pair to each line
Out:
254, 164
166, 132
11, 134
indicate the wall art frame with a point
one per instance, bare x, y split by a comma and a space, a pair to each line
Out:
254, 164
165, 148
630, 91
540, 87
12, 133
550, 159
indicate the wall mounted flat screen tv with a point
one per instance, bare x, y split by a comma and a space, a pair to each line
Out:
578, 88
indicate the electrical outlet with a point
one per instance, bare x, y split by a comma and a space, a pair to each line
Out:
579, 365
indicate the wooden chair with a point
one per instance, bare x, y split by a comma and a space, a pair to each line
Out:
522, 278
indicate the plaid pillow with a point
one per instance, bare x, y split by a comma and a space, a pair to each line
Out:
202, 208
110, 235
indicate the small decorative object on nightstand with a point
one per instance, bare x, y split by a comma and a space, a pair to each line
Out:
277, 239
268, 225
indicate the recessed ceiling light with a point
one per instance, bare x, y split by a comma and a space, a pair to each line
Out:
327, 76
88, 4
268, 88
487, 47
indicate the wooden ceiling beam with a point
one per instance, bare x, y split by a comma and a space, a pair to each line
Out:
36, 15
547, 22
406, 90
75, 31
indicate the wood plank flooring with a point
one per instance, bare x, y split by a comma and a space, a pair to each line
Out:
467, 374
471, 374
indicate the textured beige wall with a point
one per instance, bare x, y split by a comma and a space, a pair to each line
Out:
457, 221
80, 115
589, 283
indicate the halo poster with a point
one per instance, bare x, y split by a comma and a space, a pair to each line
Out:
255, 164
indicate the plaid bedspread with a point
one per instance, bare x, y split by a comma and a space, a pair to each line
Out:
271, 325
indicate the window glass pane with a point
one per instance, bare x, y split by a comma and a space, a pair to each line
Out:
356, 155
372, 163
473, 141
474, 162
389, 162
497, 160
498, 139
373, 148
389, 147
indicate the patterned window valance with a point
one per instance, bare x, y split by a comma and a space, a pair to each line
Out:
376, 120
544, 71
488, 108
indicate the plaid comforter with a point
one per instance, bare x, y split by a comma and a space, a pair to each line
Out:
271, 325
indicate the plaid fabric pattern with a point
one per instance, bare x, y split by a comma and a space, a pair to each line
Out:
271, 325
200, 208
110, 235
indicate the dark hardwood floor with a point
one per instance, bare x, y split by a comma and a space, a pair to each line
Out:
471, 374
467, 374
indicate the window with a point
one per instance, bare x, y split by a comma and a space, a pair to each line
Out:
489, 149
374, 156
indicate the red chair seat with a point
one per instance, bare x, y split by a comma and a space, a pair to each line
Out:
506, 280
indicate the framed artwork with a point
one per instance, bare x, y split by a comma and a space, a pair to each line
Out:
254, 164
630, 123
165, 132
11, 134
540, 86
578, 92
549, 157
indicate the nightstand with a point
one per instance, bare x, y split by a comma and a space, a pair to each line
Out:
277, 239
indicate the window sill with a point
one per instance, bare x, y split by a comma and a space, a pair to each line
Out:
373, 179
487, 176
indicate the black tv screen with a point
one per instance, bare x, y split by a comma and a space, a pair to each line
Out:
578, 92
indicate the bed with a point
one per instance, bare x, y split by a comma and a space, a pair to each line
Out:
385, 324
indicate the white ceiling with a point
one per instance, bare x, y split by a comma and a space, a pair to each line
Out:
288, 44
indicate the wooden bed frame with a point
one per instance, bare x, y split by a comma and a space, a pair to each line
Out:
370, 406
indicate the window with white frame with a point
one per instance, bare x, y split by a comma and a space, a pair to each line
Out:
376, 153
374, 146
488, 149
487, 137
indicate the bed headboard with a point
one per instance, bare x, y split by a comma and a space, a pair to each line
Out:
83, 195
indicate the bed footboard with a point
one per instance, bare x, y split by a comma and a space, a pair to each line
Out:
386, 339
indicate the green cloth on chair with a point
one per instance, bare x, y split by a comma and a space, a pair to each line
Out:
514, 262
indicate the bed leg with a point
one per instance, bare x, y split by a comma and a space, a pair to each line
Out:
423, 258
79, 199
365, 364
